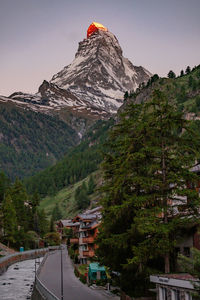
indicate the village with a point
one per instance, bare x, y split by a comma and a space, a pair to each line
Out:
81, 232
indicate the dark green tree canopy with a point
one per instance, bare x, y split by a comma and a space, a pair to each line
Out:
171, 74
147, 169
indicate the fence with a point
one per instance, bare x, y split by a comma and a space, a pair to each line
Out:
43, 291
41, 288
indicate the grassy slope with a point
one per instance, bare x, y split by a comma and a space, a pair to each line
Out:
65, 198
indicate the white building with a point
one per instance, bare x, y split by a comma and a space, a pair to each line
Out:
174, 286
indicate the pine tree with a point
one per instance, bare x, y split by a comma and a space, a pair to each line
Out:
81, 197
126, 95
147, 167
171, 74
9, 220
43, 222
188, 70
20, 200
91, 185
56, 213
191, 265
4, 184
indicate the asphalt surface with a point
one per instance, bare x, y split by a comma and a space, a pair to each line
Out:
50, 276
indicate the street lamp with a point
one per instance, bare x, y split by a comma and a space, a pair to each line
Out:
61, 263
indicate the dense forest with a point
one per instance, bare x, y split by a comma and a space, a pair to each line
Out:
183, 91
21, 221
76, 165
149, 200
31, 141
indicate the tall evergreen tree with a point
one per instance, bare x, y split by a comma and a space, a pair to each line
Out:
4, 184
147, 169
91, 185
56, 213
81, 197
43, 223
20, 200
171, 74
188, 70
9, 220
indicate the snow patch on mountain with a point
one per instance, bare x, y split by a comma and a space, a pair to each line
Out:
99, 74
95, 81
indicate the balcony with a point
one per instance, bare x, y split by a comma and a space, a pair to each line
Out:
74, 241
88, 253
88, 240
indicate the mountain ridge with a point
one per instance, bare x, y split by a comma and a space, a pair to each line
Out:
95, 81
91, 88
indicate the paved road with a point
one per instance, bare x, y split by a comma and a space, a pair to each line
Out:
73, 288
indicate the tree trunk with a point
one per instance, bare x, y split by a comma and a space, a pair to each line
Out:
167, 266
165, 205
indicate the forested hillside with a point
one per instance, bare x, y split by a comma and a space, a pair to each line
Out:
74, 198
31, 141
76, 165
183, 90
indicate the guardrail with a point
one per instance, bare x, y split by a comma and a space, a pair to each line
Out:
44, 291
41, 288
8, 260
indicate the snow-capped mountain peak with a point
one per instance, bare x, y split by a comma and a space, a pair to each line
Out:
99, 74
95, 81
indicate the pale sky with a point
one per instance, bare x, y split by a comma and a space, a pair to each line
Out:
39, 37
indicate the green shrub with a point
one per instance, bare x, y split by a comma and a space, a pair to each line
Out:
101, 282
76, 272
83, 279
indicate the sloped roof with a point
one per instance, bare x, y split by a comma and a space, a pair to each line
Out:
94, 267
66, 222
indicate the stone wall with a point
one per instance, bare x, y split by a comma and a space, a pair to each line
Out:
8, 260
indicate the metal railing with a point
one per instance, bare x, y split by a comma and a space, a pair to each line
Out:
41, 288
44, 291
25, 254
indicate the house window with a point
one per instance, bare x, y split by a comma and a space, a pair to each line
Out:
177, 250
188, 296
186, 251
162, 293
176, 295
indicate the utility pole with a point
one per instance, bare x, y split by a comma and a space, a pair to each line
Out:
61, 262
35, 270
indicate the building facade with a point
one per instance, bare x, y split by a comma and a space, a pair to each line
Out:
174, 286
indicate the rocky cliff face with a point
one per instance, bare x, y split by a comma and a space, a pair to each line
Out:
93, 85
100, 75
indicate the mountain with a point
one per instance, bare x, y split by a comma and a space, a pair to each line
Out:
100, 75
31, 141
91, 88
77, 164
94, 83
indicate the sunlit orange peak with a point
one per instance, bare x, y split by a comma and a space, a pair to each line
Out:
94, 27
